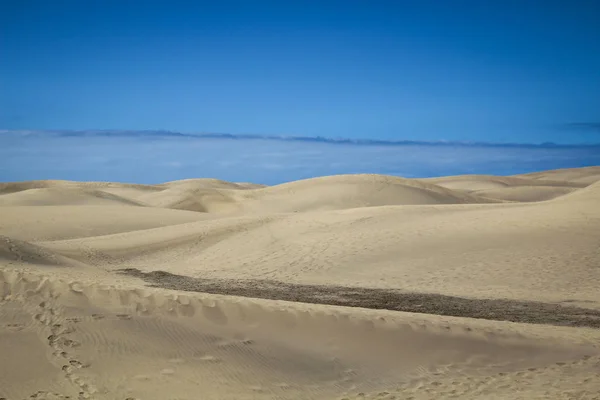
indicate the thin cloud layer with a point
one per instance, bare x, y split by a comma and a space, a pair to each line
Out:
159, 156
591, 127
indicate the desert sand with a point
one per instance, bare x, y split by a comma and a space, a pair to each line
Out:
338, 287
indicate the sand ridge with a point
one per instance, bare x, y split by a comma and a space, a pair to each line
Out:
434, 270
585, 175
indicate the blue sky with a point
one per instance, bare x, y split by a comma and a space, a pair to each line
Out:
499, 71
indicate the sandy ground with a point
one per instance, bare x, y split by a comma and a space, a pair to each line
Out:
356, 286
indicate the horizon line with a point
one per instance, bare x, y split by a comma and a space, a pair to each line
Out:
155, 133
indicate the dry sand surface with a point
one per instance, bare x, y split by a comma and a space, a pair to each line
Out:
355, 286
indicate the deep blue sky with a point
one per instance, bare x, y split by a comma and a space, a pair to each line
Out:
497, 71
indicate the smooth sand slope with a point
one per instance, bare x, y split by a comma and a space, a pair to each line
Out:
586, 175
476, 287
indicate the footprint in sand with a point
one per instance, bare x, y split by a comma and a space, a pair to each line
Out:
78, 364
209, 358
283, 385
58, 329
15, 327
43, 395
225, 344
69, 343
55, 340
41, 318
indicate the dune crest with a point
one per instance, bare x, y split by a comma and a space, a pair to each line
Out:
352, 191
585, 175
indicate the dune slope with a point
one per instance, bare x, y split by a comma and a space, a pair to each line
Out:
525, 193
586, 175
108, 343
351, 191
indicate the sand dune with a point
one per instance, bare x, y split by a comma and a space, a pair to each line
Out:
12, 187
460, 287
585, 175
474, 183
63, 222
20, 252
201, 195
331, 192
351, 191
525, 193
63, 196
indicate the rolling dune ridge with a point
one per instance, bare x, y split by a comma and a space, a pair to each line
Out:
338, 287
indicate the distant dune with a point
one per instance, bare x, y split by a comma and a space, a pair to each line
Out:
585, 175
349, 286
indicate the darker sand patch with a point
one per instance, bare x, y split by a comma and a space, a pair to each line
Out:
397, 300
